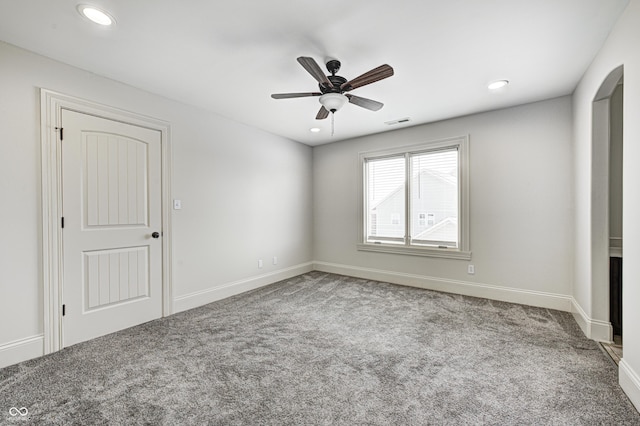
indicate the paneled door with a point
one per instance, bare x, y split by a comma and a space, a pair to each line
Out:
111, 236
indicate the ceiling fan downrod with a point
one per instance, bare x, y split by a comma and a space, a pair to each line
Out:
333, 66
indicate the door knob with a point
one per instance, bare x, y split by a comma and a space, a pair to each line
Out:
156, 235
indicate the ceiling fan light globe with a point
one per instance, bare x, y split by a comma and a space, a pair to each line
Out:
333, 101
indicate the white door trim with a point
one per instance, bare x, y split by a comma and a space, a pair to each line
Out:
51, 106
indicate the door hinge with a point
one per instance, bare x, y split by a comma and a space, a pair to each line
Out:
61, 132
62, 221
64, 310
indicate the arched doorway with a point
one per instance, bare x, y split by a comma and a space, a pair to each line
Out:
606, 206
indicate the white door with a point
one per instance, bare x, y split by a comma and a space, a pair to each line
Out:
112, 250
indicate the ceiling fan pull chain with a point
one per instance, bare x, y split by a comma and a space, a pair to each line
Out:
333, 124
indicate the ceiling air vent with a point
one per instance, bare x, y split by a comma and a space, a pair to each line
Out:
398, 121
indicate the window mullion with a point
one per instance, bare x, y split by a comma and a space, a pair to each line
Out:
407, 198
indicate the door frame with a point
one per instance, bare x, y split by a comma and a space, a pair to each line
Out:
600, 320
51, 106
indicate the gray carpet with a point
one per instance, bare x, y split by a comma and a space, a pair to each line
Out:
327, 349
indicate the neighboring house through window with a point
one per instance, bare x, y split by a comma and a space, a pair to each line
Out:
415, 199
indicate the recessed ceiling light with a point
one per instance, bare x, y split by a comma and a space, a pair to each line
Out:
498, 84
96, 15
314, 129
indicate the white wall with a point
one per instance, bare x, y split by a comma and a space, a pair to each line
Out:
246, 194
621, 48
521, 207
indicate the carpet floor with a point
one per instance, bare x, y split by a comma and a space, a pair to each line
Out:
327, 349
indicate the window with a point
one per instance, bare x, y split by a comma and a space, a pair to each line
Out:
421, 219
415, 200
432, 219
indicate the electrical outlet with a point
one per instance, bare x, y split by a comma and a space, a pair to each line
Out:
471, 269
275, 260
260, 263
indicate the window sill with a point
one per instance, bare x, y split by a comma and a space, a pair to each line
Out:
416, 251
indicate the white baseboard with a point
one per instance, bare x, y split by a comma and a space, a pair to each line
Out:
629, 382
600, 331
21, 350
525, 297
200, 298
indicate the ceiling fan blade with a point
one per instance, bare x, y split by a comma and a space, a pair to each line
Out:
294, 95
314, 69
322, 114
376, 74
365, 103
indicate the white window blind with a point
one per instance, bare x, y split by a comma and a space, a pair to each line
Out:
386, 199
434, 188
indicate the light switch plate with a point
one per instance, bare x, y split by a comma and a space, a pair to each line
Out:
177, 204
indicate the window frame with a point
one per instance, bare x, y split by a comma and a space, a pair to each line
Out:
463, 252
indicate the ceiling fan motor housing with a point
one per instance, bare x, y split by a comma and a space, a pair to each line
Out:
337, 81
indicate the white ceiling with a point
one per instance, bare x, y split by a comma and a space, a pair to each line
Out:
229, 56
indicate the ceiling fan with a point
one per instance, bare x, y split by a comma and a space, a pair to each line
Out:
333, 87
